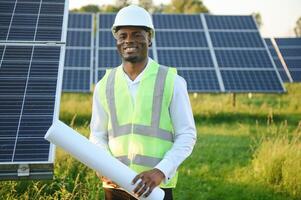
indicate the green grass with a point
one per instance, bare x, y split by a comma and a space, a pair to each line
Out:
232, 158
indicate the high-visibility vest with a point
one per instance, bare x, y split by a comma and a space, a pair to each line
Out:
140, 134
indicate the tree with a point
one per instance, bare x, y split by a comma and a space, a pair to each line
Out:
298, 27
90, 8
258, 18
147, 5
188, 7
122, 3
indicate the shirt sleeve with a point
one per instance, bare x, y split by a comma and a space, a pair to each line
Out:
99, 122
184, 130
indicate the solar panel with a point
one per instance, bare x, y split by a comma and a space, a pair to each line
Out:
31, 20
30, 80
78, 69
243, 63
279, 65
290, 49
208, 50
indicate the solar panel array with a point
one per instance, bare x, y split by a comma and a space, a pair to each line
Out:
30, 79
213, 53
290, 49
78, 69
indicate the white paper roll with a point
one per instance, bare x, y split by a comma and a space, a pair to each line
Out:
96, 158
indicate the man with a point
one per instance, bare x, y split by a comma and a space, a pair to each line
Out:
141, 111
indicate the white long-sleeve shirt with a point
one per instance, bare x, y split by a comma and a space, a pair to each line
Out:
181, 116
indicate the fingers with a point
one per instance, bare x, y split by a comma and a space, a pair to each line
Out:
150, 189
142, 190
138, 187
136, 179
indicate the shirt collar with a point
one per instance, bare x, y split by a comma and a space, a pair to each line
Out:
138, 78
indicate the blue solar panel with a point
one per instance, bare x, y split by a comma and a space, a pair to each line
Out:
106, 39
200, 80
230, 22
236, 39
290, 52
31, 21
79, 58
290, 49
296, 75
79, 21
185, 58
294, 63
239, 80
76, 80
27, 100
288, 42
108, 58
79, 52
106, 21
180, 39
176, 21
243, 59
79, 38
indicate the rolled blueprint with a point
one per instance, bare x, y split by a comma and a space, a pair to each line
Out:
96, 158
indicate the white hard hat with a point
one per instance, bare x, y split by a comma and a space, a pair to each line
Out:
133, 16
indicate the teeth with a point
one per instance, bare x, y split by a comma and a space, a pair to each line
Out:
131, 49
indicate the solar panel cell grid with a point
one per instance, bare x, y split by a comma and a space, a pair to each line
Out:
243, 59
230, 22
200, 80
240, 81
80, 21
31, 21
174, 21
180, 39
186, 58
236, 39
76, 80
106, 21
290, 52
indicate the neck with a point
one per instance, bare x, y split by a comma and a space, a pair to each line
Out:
134, 69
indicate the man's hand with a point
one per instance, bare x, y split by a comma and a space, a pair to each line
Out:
149, 180
108, 181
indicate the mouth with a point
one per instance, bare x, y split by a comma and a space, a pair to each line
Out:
130, 49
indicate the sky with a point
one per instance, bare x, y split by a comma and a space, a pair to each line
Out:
279, 16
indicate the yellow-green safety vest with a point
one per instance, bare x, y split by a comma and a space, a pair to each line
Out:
140, 134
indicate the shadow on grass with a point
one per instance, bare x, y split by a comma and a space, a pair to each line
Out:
232, 117
212, 188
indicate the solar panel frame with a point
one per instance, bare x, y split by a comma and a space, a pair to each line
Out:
26, 169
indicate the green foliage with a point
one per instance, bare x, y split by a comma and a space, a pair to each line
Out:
187, 7
297, 29
175, 6
251, 151
277, 162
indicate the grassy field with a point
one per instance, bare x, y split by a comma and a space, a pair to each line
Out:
250, 151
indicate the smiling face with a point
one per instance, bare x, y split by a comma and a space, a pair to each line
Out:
133, 43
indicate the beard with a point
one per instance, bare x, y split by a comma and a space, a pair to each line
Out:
133, 59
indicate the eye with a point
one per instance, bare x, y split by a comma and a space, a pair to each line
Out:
121, 36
